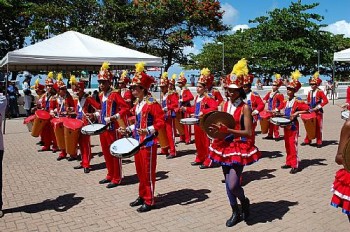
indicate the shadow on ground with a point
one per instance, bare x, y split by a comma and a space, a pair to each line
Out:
267, 211
311, 162
326, 143
250, 176
271, 154
182, 197
60, 204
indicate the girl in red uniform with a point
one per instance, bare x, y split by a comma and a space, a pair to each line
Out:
149, 119
170, 102
293, 106
185, 98
203, 104
237, 149
341, 184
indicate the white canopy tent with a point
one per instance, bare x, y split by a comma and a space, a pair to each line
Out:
343, 55
74, 51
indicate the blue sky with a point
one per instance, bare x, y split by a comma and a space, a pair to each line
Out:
238, 12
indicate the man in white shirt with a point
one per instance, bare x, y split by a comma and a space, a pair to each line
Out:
3, 104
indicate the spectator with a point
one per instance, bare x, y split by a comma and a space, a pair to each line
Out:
3, 104
27, 95
13, 94
192, 80
258, 84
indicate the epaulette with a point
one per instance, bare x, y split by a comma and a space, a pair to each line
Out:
299, 99
150, 100
255, 93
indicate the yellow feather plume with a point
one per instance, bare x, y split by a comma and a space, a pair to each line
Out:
277, 76
50, 75
240, 68
36, 82
296, 74
316, 74
182, 74
173, 76
140, 67
105, 66
72, 80
165, 75
205, 72
59, 77
124, 73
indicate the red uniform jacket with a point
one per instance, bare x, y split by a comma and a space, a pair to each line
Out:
276, 102
86, 104
113, 105
298, 105
172, 104
255, 102
185, 97
62, 105
206, 105
217, 96
318, 101
48, 102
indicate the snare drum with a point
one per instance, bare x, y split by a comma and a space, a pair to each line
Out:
345, 114
124, 148
189, 121
29, 122
93, 129
280, 121
264, 121
42, 117
72, 128
310, 124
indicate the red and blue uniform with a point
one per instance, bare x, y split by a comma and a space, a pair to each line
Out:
274, 102
48, 103
185, 98
317, 99
291, 132
202, 104
111, 104
256, 105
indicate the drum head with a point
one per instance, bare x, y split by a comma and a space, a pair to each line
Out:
308, 116
72, 123
42, 114
29, 119
346, 156
92, 129
280, 121
189, 121
123, 148
345, 114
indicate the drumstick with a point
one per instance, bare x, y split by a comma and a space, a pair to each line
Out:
129, 141
86, 116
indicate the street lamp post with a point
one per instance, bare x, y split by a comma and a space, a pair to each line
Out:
223, 57
318, 59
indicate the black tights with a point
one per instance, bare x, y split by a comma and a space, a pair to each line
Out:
234, 189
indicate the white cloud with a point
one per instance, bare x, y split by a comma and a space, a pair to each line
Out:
195, 50
340, 27
230, 15
239, 27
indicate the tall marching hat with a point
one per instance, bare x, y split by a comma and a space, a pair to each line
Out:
105, 74
294, 83
182, 78
124, 78
60, 82
49, 79
205, 77
277, 81
172, 80
164, 81
316, 79
236, 79
141, 78
37, 86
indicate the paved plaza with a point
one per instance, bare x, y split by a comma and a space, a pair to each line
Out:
42, 194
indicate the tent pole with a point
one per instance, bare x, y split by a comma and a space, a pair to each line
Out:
6, 80
333, 83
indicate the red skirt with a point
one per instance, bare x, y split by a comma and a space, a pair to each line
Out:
341, 191
236, 152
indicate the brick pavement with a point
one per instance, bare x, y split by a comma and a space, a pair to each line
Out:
42, 194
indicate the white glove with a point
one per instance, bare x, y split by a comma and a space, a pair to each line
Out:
107, 120
165, 109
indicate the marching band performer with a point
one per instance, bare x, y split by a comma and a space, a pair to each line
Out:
63, 106
40, 91
203, 104
341, 184
83, 104
253, 99
274, 100
213, 92
113, 107
316, 100
48, 102
170, 101
293, 107
237, 149
149, 119
185, 98
123, 90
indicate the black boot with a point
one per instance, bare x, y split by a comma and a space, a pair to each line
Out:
234, 219
245, 209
